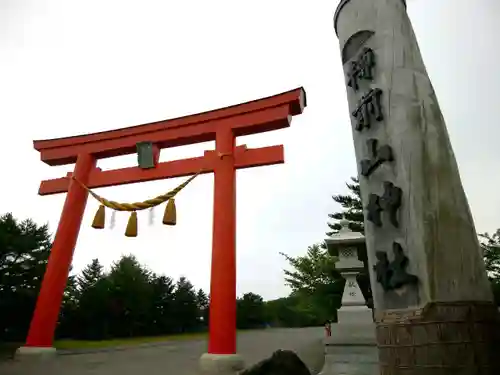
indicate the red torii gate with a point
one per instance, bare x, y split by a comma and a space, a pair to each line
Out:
223, 126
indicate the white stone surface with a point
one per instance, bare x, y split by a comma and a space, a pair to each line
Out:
34, 352
352, 295
348, 259
354, 315
221, 364
351, 350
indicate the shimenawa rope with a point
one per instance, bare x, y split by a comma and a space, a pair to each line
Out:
169, 218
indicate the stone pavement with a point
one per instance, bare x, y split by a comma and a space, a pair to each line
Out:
179, 357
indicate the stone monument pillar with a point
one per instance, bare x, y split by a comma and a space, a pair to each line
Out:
432, 299
345, 245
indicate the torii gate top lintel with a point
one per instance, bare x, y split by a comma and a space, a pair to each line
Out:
252, 117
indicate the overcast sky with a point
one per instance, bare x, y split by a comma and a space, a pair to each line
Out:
73, 67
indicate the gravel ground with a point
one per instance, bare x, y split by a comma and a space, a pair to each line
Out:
179, 358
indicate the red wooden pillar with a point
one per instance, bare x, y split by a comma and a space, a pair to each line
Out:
222, 338
43, 324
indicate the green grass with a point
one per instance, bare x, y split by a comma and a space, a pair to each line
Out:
84, 344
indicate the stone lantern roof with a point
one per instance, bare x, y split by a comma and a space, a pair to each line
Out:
344, 238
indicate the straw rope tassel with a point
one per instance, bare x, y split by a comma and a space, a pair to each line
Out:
131, 230
99, 218
170, 216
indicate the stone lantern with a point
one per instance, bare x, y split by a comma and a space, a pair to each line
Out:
346, 245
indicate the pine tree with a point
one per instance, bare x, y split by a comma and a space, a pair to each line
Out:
130, 296
491, 252
91, 274
24, 251
162, 305
250, 311
186, 308
352, 209
202, 302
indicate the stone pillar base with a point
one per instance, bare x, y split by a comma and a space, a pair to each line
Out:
354, 315
34, 353
441, 338
221, 364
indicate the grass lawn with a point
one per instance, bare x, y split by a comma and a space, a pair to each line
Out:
84, 344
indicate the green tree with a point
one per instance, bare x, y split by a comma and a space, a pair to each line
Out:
352, 209
284, 312
250, 311
203, 303
491, 251
130, 292
162, 308
24, 251
84, 309
91, 318
69, 308
315, 280
186, 311
90, 275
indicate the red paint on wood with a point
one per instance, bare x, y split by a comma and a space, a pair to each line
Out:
249, 118
222, 338
156, 154
223, 126
178, 168
43, 324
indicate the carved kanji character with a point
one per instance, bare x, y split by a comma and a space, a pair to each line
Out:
393, 275
383, 270
399, 275
378, 155
361, 68
369, 105
389, 202
374, 209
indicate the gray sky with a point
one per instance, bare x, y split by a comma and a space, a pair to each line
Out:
72, 67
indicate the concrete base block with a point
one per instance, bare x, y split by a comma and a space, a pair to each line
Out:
352, 349
354, 315
34, 353
221, 364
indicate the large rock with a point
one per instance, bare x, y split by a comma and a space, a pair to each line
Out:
282, 362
